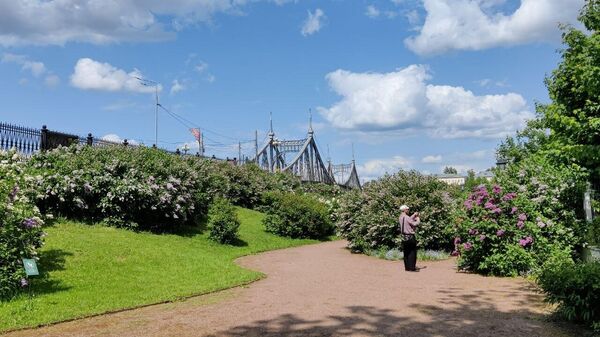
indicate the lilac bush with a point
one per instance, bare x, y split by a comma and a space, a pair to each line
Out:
126, 187
369, 219
506, 233
20, 225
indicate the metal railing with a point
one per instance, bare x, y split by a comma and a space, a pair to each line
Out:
25, 140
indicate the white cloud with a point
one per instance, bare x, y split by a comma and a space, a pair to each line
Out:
413, 17
56, 22
176, 87
93, 75
372, 12
201, 67
475, 25
52, 80
313, 22
375, 168
36, 68
111, 137
403, 100
484, 82
431, 159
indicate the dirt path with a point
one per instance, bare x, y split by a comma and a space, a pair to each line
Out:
323, 290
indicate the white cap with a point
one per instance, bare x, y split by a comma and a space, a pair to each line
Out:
403, 207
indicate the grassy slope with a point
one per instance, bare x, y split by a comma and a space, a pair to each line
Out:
94, 269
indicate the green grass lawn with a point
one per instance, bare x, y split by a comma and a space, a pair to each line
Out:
94, 269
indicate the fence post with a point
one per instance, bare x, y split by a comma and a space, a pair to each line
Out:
90, 139
44, 138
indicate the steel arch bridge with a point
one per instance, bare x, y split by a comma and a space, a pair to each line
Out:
301, 157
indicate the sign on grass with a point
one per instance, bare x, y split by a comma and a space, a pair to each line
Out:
30, 267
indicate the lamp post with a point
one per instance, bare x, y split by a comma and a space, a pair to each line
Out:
150, 83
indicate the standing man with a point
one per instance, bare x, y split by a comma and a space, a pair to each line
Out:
409, 242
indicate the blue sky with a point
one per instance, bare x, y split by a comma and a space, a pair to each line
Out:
412, 84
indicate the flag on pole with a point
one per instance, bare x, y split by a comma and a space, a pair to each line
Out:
197, 134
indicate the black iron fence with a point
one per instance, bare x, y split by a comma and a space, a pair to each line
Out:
28, 141
25, 140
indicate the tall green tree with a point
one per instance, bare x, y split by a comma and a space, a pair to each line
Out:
573, 116
450, 170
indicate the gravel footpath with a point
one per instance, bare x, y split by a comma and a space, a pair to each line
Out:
323, 290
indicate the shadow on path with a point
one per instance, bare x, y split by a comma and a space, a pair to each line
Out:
458, 315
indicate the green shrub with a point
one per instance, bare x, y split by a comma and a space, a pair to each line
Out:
575, 288
369, 219
223, 221
127, 187
20, 225
297, 216
243, 185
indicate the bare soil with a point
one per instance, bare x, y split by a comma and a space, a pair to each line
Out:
324, 290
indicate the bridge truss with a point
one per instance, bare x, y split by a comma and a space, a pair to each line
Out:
301, 157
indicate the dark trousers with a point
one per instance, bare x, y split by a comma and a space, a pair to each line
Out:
410, 253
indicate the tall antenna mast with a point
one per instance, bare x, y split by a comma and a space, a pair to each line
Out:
256, 146
310, 128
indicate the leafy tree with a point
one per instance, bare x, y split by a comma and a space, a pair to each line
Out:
573, 116
450, 170
473, 181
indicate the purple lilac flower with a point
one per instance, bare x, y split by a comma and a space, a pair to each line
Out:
489, 205
455, 253
520, 224
30, 223
473, 231
513, 210
541, 224
497, 189
467, 246
522, 217
500, 232
481, 237
468, 204
526, 241
497, 210
509, 196
456, 241
24, 283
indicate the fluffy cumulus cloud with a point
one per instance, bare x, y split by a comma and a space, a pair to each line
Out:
36, 68
404, 100
431, 159
313, 23
375, 168
480, 24
57, 22
94, 75
177, 87
372, 12
111, 137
